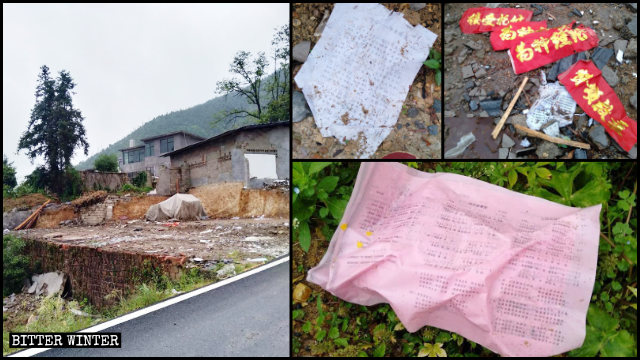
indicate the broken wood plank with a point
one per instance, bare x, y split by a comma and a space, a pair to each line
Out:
29, 221
498, 127
552, 139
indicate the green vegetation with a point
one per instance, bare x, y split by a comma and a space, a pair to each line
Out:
132, 188
141, 179
53, 314
106, 162
8, 173
320, 195
338, 328
248, 83
15, 264
435, 63
54, 131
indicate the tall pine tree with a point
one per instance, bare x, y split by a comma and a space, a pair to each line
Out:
55, 128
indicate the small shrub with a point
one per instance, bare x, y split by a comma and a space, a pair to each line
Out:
140, 180
106, 162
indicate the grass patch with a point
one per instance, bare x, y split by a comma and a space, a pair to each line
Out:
53, 315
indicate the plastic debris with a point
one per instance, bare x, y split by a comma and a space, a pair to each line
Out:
461, 146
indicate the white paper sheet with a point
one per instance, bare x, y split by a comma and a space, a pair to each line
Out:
359, 73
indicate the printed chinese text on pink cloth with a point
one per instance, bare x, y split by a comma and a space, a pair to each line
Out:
509, 271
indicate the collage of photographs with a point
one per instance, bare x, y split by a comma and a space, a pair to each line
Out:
320, 180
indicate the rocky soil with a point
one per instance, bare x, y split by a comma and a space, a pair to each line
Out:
480, 83
418, 128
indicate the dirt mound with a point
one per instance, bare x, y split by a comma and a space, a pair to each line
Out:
230, 200
25, 202
51, 218
136, 206
219, 200
258, 202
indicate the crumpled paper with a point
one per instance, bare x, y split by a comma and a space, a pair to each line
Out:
359, 73
553, 109
509, 271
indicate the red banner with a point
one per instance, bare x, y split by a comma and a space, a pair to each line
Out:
544, 47
482, 19
503, 37
590, 90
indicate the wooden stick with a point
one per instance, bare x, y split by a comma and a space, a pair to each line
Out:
496, 131
35, 213
552, 139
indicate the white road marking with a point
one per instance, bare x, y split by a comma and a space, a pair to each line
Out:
160, 305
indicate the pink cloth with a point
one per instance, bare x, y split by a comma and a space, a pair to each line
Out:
509, 271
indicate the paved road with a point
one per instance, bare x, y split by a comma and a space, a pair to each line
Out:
249, 317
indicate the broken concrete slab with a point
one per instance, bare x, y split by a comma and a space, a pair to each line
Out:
580, 154
507, 142
492, 107
598, 135
481, 72
226, 271
14, 218
467, 72
564, 64
620, 45
601, 56
503, 153
48, 284
610, 76
548, 150
632, 49
633, 26
475, 45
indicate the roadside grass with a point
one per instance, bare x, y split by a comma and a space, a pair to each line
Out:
53, 315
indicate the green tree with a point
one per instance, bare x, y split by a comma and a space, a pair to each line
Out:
278, 87
270, 98
247, 85
8, 173
55, 128
106, 162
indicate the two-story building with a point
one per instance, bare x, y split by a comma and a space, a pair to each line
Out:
138, 158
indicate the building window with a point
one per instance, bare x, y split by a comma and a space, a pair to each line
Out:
149, 150
166, 145
134, 156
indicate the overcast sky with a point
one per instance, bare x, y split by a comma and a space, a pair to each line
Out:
131, 63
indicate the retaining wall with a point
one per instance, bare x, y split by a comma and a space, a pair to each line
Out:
95, 273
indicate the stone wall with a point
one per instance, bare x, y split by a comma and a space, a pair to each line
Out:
96, 214
92, 180
95, 273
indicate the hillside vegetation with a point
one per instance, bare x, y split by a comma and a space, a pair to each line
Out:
196, 120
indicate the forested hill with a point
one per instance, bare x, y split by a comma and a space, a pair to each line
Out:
196, 120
